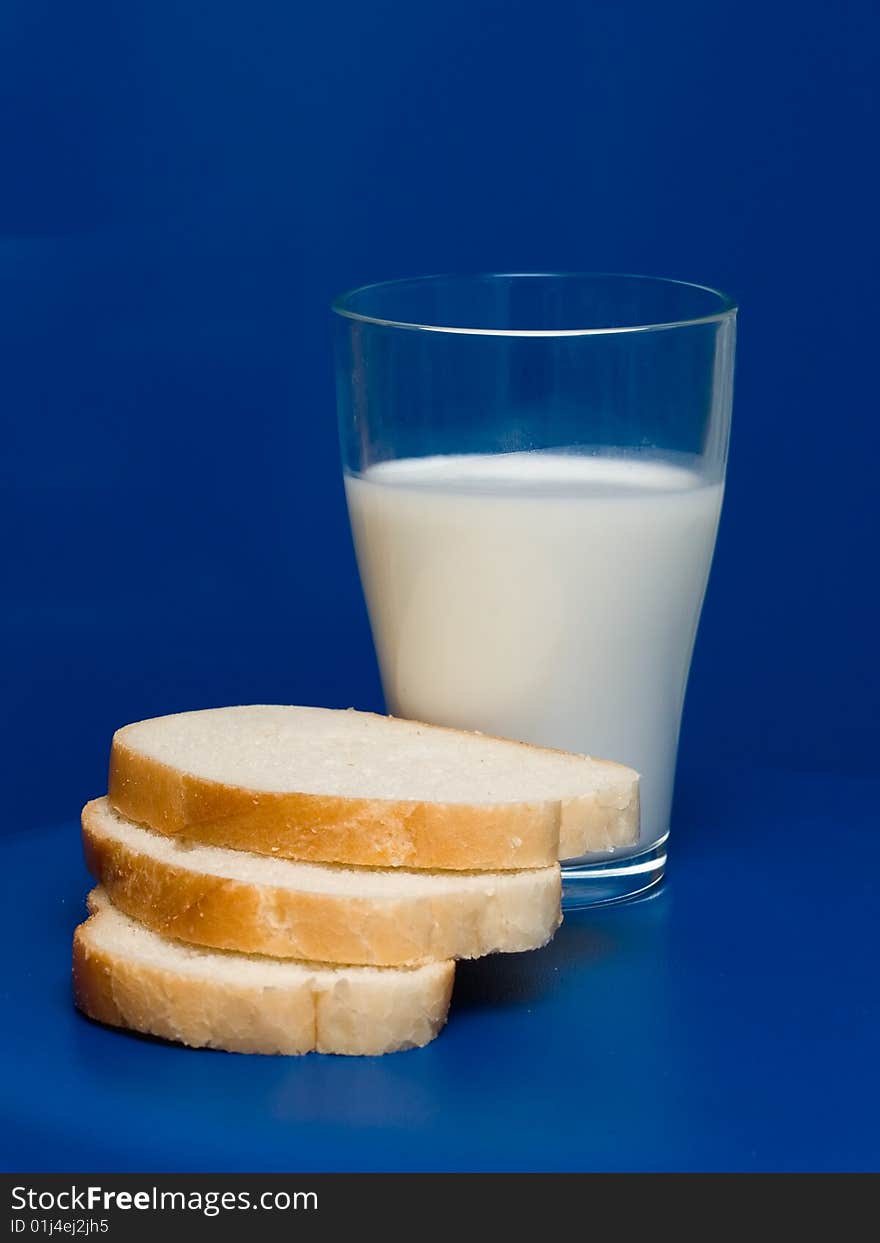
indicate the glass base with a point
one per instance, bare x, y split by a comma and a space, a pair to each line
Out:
586, 883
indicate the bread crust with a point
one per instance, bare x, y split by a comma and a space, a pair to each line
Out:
241, 916
320, 828
352, 1016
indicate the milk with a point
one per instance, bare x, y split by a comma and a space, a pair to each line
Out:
549, 597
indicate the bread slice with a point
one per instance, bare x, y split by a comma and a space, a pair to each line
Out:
350, 787
232, 900
127, 976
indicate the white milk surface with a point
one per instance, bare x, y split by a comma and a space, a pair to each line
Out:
549, 597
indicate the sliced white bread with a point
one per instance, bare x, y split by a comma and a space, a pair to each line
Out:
128, 976
351, 787
233, 900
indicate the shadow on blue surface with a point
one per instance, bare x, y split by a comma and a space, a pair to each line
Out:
515, 980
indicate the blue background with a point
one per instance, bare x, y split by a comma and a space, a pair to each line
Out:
184, 188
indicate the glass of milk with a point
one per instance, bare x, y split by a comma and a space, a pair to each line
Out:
534, 466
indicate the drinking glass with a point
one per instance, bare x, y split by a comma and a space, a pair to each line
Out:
534, 467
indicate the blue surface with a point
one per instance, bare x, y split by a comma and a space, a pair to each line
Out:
728, 1023
185, 186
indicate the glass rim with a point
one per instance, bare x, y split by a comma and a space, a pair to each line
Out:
727, 306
